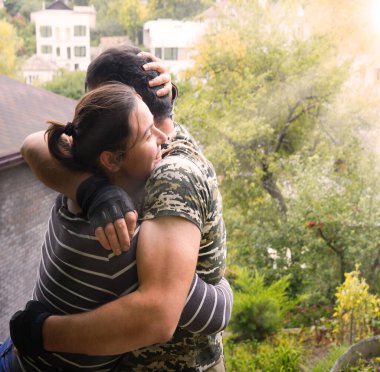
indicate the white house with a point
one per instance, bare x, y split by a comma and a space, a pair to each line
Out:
38, 69
173, 41
63, 34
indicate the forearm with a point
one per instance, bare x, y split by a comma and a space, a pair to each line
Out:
49, 170
129, 323
208, 307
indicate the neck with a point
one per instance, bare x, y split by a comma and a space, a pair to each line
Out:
166, 125
132, 187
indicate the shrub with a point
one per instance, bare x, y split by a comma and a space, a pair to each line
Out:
326, 363
357, 311
259, 310
276, 355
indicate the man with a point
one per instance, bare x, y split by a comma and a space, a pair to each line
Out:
182, 210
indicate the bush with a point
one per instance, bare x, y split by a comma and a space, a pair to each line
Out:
67, 83
326, 363
279, 354
357, 310
259, 310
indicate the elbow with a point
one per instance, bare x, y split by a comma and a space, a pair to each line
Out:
164, 335
25, 147
165, 323
29, 146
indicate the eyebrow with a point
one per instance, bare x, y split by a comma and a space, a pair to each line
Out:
147, 130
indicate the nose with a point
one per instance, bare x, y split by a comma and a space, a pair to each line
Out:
161, 137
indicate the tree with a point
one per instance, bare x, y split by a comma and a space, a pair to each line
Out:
9, 44
282, 80
67, 83
272, 99
107, 22
13, 6
176, 9
131, 14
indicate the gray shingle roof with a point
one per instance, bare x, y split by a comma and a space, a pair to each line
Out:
24, 109
58, 5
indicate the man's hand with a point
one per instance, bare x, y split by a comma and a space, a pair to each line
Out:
162, 79
26, 328
110, 212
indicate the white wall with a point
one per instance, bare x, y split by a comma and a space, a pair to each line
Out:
62, 41
175, 39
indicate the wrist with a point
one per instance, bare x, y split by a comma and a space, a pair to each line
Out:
88, 190
52, 335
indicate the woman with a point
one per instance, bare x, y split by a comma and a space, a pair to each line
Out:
112, 133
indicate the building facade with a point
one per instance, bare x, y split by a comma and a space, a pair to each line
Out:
25, 202
173, 41
63, 34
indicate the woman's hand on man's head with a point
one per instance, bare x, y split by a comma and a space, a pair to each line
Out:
162, 79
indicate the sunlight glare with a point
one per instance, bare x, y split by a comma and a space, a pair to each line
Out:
375, 15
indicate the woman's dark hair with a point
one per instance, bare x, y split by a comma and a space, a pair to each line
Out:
101, 123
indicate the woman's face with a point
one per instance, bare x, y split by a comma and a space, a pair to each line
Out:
144, 146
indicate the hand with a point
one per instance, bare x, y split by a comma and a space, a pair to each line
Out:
162, 79
110, 212
26, 328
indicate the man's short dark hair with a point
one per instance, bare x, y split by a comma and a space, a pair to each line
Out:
122, 64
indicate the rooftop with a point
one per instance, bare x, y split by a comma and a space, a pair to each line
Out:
39, 63
58, 5
24, 109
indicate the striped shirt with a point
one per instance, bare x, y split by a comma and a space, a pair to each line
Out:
76, 274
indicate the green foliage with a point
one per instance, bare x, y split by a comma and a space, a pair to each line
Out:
260, 95
19, 8
9, 44
67, 83
357, 310
19, 16
176, 9
259, 310
119, 17
278, 354
13, 6
364, 365
288, 151
326, 362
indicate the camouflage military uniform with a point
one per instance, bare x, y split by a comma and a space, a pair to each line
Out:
184, 184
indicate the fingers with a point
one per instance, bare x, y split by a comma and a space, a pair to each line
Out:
163, 79
131, 220
160, 80
116, 236
101, 236
156, 66
167, 89
149, 55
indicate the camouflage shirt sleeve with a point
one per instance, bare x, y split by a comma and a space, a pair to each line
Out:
177, 188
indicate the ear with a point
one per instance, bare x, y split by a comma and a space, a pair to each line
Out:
110, 161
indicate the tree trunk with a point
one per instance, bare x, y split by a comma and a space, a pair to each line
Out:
270, 185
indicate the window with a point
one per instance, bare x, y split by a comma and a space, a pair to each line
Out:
45, 31
79, 30
57, 34
58, 52
171, 53
80, 51
158, 52
68, 53
76, 66
46, 49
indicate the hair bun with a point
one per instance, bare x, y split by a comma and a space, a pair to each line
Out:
69, 129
